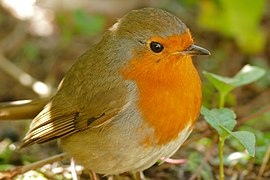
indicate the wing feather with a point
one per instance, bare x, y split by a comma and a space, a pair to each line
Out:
49, 126
69, 111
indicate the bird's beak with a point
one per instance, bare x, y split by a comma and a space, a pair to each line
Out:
194, 50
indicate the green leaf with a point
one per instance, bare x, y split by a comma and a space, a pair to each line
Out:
219, 118
222, 84
246, 75
247, 139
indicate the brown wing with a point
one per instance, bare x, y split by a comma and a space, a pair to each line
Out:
90, 95
54, 121
49, 125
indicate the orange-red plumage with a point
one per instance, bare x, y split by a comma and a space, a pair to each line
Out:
163, 81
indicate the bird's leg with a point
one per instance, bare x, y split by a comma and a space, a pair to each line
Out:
139, 175
73, 169
110, 177
173, 161
93, 175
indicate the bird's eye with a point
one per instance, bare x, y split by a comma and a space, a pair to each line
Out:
156, 47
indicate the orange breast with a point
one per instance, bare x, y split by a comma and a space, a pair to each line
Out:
170, 94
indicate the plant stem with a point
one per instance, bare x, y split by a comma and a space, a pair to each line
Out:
221, 170
222, 100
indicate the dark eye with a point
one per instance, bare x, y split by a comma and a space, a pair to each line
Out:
156, 47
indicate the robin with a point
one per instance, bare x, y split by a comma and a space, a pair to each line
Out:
130, 100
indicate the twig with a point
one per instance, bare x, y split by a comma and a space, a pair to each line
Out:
264, 164
207, 156
261, 100
22, 169
254, 115
14, 38
24, 109
24, 78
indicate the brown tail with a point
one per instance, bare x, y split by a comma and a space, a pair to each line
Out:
23, 109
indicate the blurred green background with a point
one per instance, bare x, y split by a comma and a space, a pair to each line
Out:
40, 40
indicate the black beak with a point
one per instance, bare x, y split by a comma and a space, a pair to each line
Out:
195, 50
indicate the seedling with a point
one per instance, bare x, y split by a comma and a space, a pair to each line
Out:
223, 120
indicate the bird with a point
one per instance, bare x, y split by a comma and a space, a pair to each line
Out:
128, 101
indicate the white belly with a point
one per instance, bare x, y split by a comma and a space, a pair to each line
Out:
118, 147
